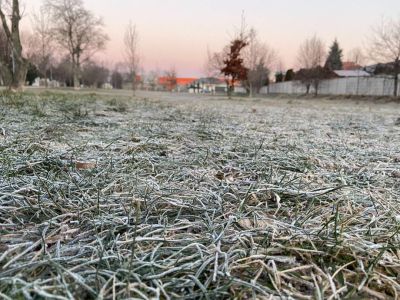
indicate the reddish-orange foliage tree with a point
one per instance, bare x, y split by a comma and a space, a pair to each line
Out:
233, 67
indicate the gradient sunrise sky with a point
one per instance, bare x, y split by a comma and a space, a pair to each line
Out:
178, 32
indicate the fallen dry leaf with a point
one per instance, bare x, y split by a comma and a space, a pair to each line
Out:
220, 175
249, 224
85, 165
3, 247
253, 200
65, 234
135, 139
396, 174
246, 223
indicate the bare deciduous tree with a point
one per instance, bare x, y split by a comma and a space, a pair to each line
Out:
310, 58
215, 62
230, 61
152, 79
131, 40
258, 59
311, 53
77, 31
357, 56
313, 77
384, 47
170, 79
43, 45
14, 69
117, 80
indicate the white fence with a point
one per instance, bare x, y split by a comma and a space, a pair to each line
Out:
365, 86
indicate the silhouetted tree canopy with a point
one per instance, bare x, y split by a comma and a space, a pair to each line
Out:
279, 77
116, 80
312, 77
289, 76
62, 71
32, 74
94, 75
257, 77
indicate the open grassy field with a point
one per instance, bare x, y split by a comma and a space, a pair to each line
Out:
105, 196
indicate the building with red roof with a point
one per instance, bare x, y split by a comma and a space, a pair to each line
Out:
350, 66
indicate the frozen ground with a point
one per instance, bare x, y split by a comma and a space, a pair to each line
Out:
104, 196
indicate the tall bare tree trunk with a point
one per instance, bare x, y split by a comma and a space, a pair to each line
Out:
396, 77
133, 83
229, 90
316, 87
20, 70
46, 80
131, 40
308, 88
14, 75
250, 90
76, 72
76, 79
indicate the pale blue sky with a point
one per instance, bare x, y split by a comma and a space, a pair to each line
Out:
178, 32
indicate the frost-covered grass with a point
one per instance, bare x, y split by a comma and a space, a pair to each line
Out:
170, 196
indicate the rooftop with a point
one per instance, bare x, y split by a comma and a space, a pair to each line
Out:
351, 73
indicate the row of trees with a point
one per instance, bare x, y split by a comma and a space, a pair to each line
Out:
313, 69
74, 30
64, 27
384, 46
68, 27
250, 61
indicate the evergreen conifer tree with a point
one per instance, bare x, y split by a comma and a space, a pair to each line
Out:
334, 59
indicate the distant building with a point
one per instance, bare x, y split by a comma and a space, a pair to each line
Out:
207, 85
351, 73
350, 66
181, 84
185, 81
